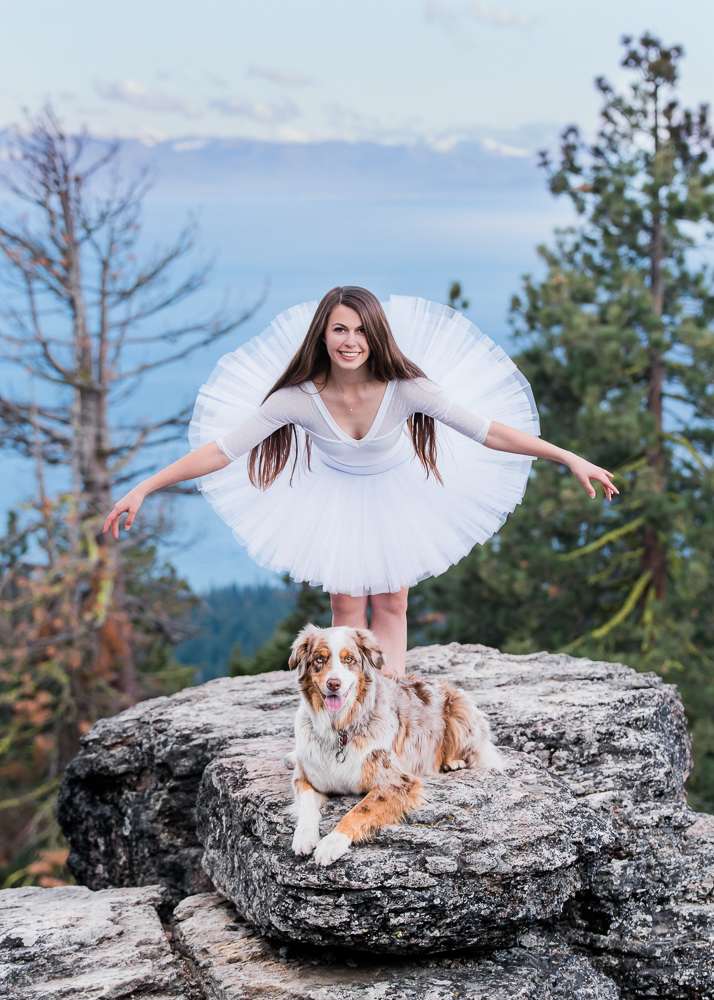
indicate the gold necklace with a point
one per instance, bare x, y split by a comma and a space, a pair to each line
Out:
343, 395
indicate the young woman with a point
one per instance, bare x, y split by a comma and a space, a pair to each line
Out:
373, 497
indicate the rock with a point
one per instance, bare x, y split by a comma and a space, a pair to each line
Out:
128, 801
232, 962
619, 740
70, 942
616, 737
649, 915
487, 854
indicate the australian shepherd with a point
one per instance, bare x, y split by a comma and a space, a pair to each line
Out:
358, 732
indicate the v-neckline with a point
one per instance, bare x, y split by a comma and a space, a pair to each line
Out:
374, 426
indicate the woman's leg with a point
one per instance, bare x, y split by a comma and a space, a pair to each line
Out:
348, 610
389, 623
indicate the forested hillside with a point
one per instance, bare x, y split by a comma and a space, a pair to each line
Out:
231, 621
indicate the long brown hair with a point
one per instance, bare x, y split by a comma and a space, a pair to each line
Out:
386, 363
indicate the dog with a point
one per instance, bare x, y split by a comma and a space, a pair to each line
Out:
357, 731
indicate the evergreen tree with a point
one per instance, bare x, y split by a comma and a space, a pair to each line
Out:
618, 346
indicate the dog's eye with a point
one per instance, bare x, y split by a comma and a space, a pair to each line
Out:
349, 659
320, 659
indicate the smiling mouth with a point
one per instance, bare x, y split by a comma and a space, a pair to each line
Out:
349, 355
334, 702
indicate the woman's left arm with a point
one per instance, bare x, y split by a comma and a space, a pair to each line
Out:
501, 437
420, 395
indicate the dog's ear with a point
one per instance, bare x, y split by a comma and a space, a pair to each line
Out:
301, 647
369, 647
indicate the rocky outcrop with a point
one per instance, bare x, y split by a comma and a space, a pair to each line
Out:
128, 801
70, 942
640, 906
485, 856
649, 915
232, 962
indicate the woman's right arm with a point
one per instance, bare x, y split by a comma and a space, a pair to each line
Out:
198, 463
282, 407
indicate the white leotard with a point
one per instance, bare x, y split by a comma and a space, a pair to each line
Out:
383, 447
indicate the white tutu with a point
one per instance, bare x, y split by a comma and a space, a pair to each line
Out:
372, 534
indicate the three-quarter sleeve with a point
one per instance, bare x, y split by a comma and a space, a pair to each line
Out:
274, 413
423, 396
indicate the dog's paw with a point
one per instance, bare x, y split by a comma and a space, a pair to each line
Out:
455, 765
290, 760
305, 840
332, 847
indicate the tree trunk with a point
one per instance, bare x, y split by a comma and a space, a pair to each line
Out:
114, 659
654, 558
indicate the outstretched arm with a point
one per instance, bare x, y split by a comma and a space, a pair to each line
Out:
273, 413
501, 437
200, 462
426, 397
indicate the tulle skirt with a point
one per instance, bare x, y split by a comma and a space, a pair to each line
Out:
372, 534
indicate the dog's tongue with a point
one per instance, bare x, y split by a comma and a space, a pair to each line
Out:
335, 702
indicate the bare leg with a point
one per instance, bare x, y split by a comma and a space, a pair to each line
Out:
348, 610
389, 623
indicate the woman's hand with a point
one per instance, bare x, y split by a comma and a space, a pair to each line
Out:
130, 505
501, 437
585, 471
200, 462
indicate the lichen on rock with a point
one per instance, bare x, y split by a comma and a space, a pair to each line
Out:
232, 962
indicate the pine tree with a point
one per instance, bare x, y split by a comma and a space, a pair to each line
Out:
618, 346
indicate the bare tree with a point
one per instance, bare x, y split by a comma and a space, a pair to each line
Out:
87, 317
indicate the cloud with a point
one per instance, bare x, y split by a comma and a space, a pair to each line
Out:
187, 145
285, 77
494, 15
446, 143
348, 125
449, 19
217, 81
260, 111
503, 149
146, 135
138, 96
285, 133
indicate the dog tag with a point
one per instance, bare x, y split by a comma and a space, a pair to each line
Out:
340, 756
342, 738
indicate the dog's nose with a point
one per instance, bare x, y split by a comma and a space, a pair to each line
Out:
334, 684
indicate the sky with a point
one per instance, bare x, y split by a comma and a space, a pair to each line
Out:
484, 85
391, 71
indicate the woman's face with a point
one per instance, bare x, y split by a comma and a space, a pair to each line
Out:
345, 339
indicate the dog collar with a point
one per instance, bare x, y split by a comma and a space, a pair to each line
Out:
342, 740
